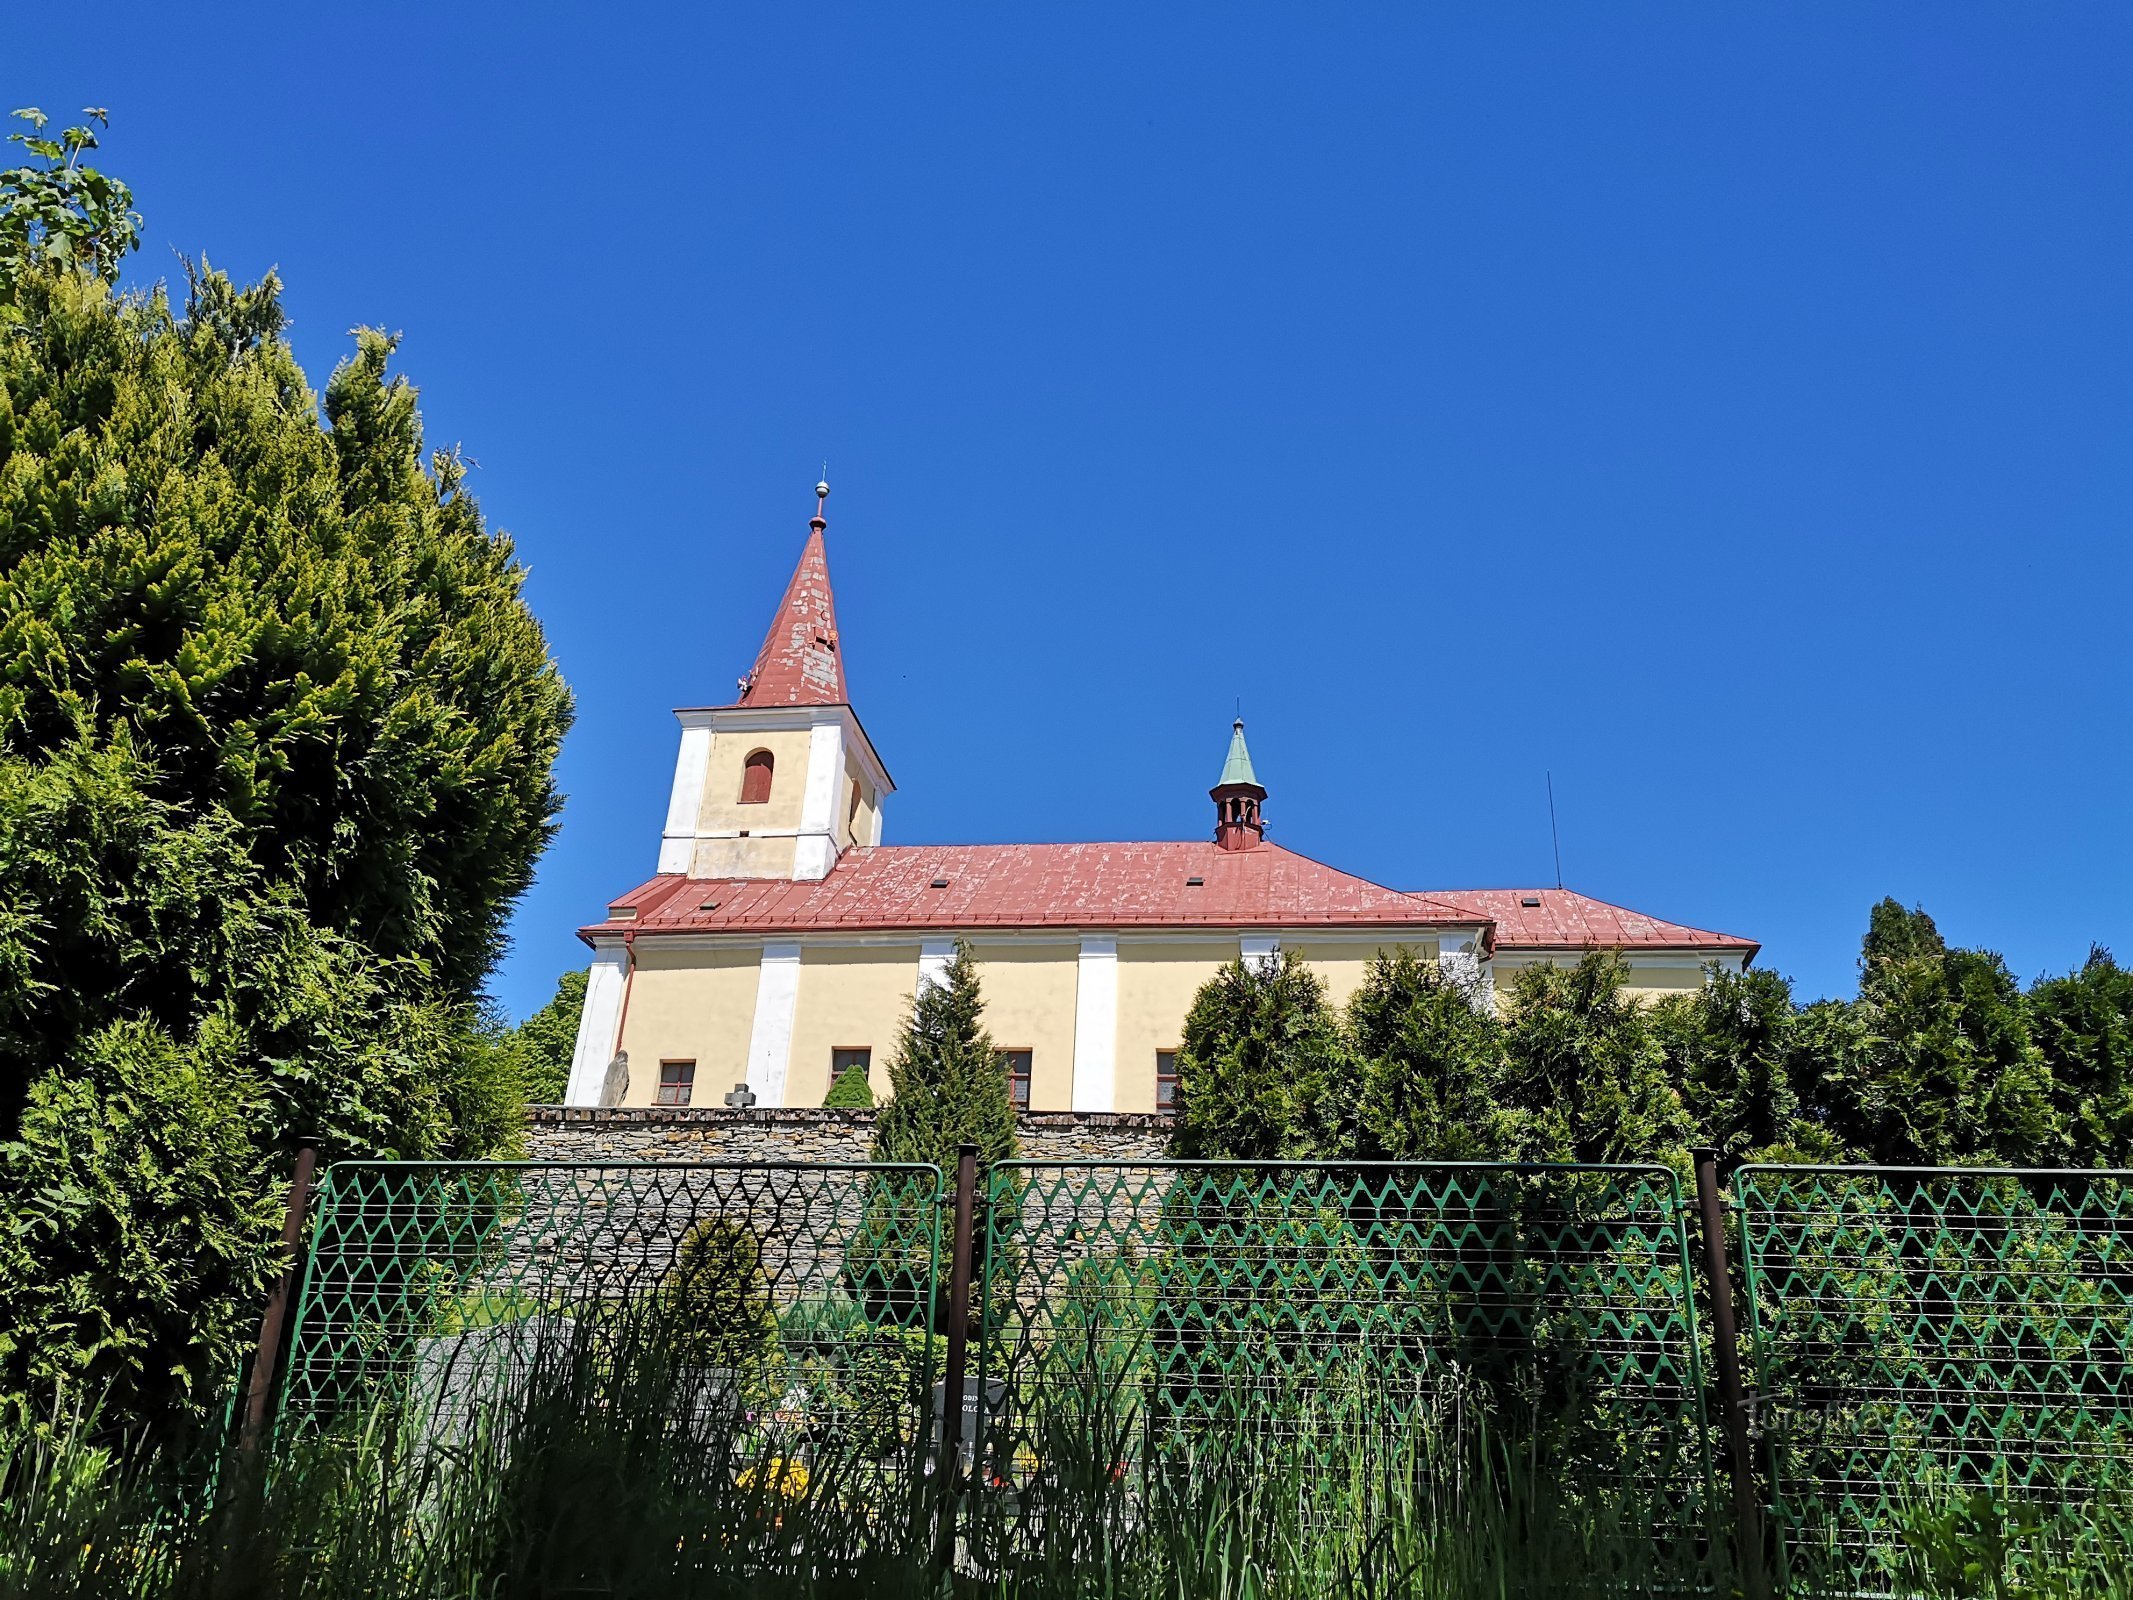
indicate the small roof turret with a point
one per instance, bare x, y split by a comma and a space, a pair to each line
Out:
1238, 795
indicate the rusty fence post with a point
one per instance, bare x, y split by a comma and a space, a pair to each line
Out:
963, 1222
1732, 1395
273, 1322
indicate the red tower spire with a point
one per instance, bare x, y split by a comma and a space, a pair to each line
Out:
800, 663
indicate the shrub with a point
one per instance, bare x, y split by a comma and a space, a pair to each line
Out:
851, 1091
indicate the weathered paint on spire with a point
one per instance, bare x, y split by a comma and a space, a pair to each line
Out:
800, 663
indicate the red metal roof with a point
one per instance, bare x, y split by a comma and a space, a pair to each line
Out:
800, 662
1566, 920
1137, 885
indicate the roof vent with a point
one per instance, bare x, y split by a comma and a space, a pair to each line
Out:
622, 913
1529, 899
708, 905
938, 883
1195, 883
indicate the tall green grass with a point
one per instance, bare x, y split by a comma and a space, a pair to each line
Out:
611, 1466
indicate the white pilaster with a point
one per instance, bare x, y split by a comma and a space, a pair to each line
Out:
1259, 950
692, 766
600, 1024
777, 1000
1459, 960
1096, 1025
816, 851
933, 958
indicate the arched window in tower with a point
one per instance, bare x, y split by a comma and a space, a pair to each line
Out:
755, 777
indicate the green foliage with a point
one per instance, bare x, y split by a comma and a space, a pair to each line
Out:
715, 1301
1732, 1048
2083, 1028
276, 740
945, 1080
56, 213
1933, 1064
1265, 1071
1587, 1074
850, 1092
947, 1088
1433, 1067
1942, 1059
546, 1041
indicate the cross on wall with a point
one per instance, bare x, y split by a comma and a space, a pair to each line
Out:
742, 1097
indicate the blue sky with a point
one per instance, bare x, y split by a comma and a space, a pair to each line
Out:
1727, 409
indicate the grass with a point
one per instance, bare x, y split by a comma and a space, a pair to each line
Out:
609, 1467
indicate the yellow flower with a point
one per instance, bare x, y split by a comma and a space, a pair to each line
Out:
788, 1478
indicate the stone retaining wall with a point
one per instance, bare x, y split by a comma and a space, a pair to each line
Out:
810, 1133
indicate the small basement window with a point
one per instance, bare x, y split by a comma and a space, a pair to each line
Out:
677, 1082
844, 1059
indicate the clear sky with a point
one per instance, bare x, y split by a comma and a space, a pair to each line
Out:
1725, 408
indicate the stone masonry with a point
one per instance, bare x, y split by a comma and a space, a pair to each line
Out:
810, 1133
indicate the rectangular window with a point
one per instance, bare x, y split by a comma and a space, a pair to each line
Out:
677, 1081
1016, 1063
1166, 1080
860, 1057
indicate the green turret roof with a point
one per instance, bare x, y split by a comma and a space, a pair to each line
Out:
1238, 767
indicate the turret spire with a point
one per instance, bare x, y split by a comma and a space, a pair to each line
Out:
1238, 797
800, 663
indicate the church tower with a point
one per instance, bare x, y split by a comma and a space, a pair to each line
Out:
784, 780
1240, 823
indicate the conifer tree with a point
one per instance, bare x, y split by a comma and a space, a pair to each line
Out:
1432, 1066
946, 1084
548, 1039
1265, 1069
2083, 1027
850, 1091
1934, 1063
276, 743
1585, 1072
947, 1087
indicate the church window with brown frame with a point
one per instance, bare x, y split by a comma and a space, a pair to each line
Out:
1166, 1080
1016, 1063
755, 777
677, 1082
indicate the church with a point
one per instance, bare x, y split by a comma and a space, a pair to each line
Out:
780, 941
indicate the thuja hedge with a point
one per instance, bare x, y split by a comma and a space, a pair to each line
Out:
276, 738
1942, 1059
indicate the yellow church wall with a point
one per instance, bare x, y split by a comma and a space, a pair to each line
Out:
1156, 984
690, 1004
722, 810
1341, 965
730, 750
851, 997
1029, 1005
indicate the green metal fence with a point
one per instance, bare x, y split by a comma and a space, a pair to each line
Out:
1163, 1300
1910, 1332
805, 1289
1919, 1332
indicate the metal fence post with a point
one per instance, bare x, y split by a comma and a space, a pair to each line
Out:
958, 1362
266, 1363
1732, 1396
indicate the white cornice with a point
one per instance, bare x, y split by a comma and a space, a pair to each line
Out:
792, 719
1065, 937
